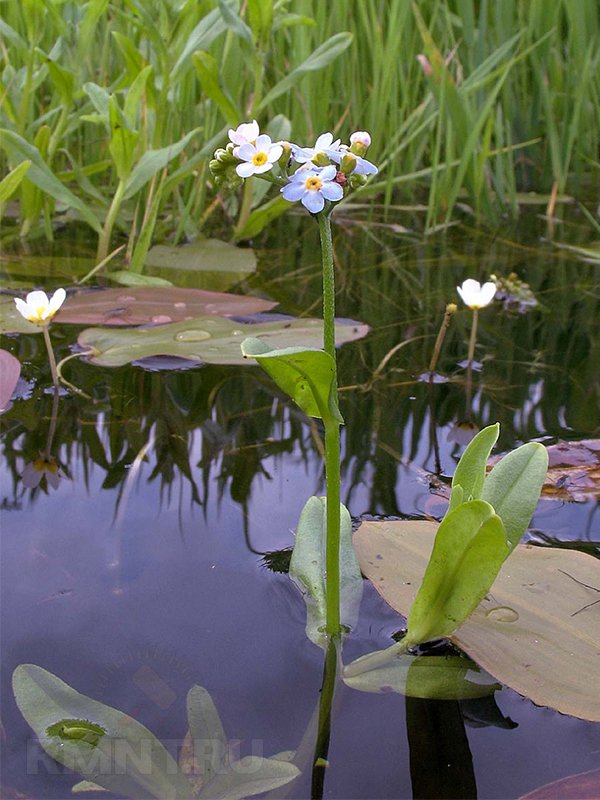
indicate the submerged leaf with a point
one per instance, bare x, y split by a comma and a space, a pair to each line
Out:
536, 632
123, 756
430, 677
307, 569
209, 339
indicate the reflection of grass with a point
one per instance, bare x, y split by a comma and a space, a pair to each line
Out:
217, 431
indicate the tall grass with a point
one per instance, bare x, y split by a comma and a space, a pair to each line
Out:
118, 104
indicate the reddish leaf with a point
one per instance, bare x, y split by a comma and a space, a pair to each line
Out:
574, 787
10, 369
158, 305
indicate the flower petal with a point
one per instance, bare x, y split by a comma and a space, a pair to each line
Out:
324, 141
488, 290
246, 152
22, 307
328, 173
56, 301
313, 201
293, 192
245, 170
332, 191
275, 152
263, 142
263, 168
364, 167
37, 299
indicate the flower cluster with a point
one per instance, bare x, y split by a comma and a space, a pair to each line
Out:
313, 175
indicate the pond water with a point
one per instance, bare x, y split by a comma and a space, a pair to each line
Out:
143, 572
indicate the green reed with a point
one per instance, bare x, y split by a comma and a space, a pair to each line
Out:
510, 104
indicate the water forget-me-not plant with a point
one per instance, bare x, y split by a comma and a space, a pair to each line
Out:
319, 177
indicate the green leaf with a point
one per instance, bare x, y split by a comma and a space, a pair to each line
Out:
308, 572
322, 57
536, 631
307, 376
39, 173
100, 98
127, 759
207, 339
152, 161
470, 471
10, 183
429, 677
204, 34
122, 140
206, 730
469, 550
249, 776
63, 80
135, 94
261, 217
126, 277
208, 75
513, 487
260, 16
234, 22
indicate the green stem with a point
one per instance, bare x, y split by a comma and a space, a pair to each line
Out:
473, 338
332, 549
332, 435
324, 219
324, 724
51, 357
109, 222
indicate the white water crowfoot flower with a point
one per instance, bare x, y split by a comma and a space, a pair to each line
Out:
313, 187
38, 308
259, 157
476, 296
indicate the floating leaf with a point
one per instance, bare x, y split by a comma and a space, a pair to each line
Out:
206, 731
208, 255
307, 376
573, 787
128, 278
308, 572
145, 305
430, 677
208, 339
574, 473
13, 322
127, 759
536, 632
10, 370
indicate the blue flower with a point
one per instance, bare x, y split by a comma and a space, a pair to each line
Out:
313, 187
323, 145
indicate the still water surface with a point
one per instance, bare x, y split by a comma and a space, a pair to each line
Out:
142, 573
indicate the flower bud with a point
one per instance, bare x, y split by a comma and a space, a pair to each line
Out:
357, 180
360, 141
321, 160
286, 155
348, 163
451, 308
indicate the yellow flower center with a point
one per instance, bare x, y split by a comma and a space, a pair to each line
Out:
313, 184
259, 159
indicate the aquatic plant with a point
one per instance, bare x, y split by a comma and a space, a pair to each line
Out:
40, 310
319, 177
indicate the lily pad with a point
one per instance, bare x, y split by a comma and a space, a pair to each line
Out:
154, 305
207, 339
11, 321
208, 263
537, 631
10, 369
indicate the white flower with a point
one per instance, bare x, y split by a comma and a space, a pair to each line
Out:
475, 295
323, 145
35, 471
361, 137
246, 133
37, 308
313, 187
258, 157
